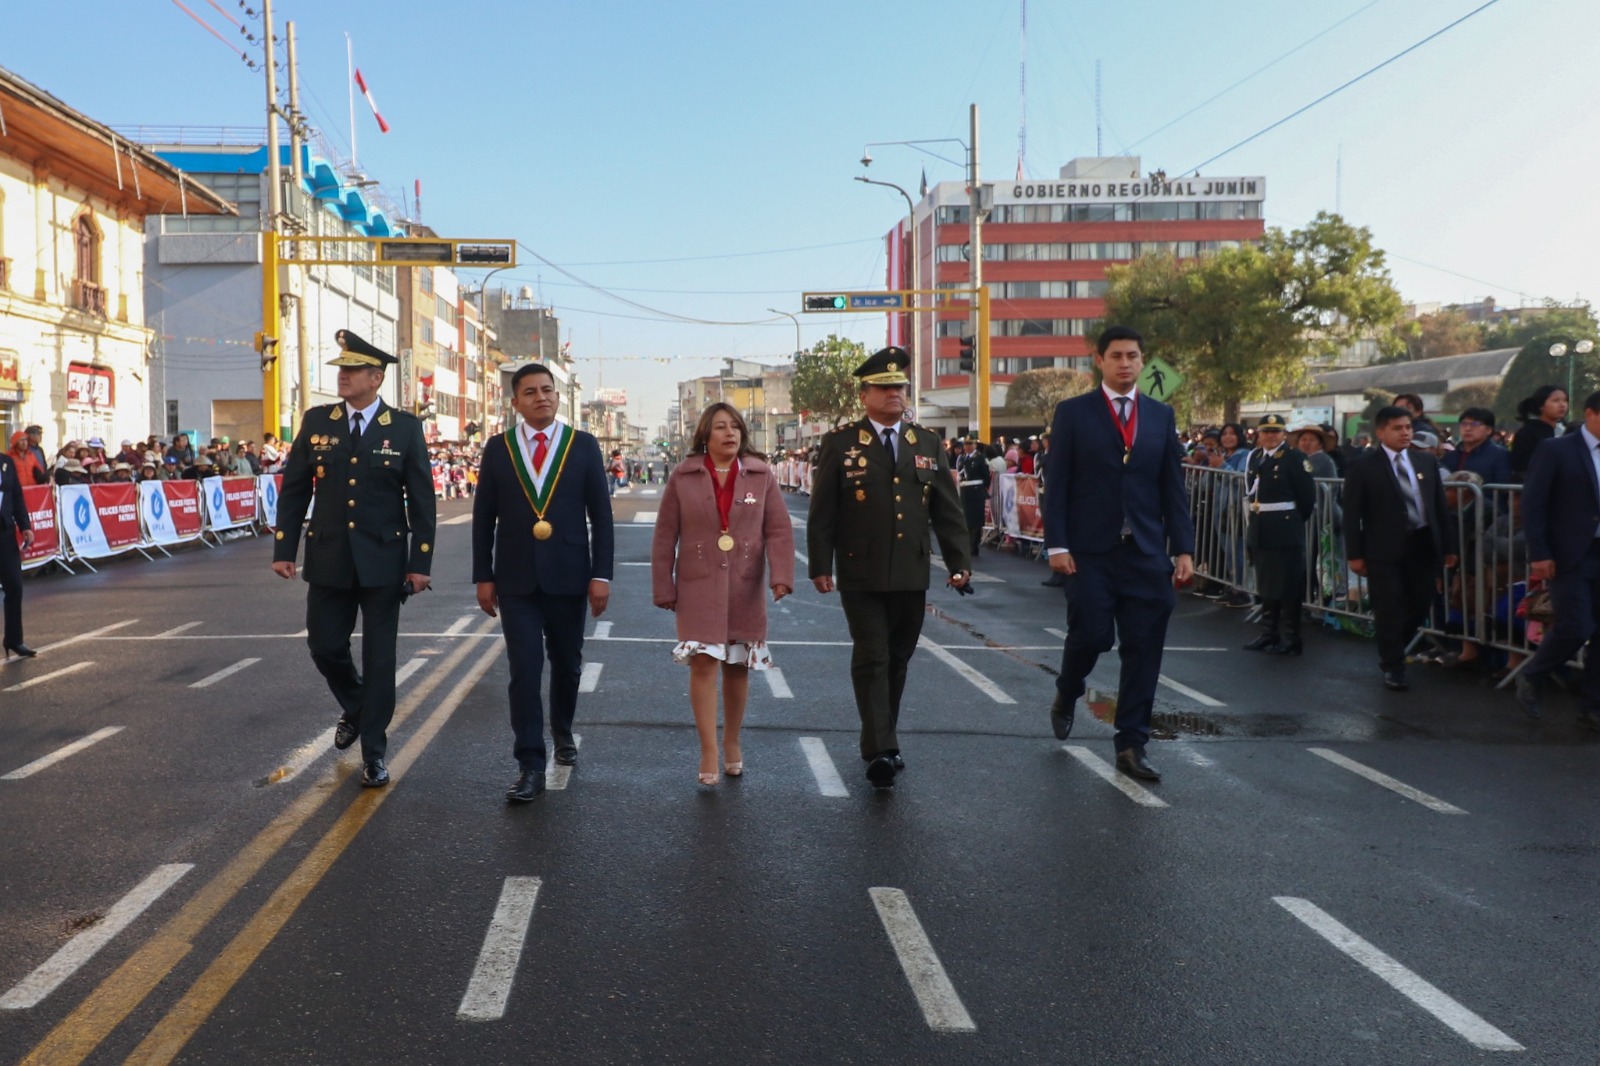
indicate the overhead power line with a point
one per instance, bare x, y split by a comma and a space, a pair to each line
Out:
1334, 92
722, 255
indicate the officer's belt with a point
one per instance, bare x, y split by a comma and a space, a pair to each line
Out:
964, 484
1286, 505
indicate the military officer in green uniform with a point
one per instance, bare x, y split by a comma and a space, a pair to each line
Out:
1280, 493
370, 542
878, 486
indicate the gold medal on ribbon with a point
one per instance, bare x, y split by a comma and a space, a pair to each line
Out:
725, 542
542, 529
539, 499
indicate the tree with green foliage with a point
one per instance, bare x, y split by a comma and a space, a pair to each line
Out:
1035, 393
1534, 366
1242, 323
1552, 319
825, 387
1447, 332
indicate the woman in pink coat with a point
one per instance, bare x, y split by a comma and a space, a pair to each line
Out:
722, 523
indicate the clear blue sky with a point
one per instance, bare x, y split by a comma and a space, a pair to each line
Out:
650, 148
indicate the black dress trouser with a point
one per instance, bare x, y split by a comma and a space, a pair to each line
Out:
11, 585
884, 627
366, 697
1402, 595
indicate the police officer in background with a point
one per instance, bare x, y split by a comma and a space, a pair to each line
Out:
973, 470
879, 484
1280, 493
370, 543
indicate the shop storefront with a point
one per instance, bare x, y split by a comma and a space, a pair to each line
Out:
91, 402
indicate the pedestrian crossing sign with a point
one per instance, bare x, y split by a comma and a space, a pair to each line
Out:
1159, 381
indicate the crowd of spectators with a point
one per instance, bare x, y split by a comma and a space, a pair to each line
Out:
86, 462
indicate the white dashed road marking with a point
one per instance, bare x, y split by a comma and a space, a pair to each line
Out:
776, 682
169, 634
829, 783
979, 681
1433, 803
1059, 634
1121, 782
227, 671
402, 675
1466, 1024
1198, 697
61, 753
92, 634
42, 678
459, 625
925, 973
490, 986
458, 520
80, 949
602, 631
644, 518
590, 677
558, 776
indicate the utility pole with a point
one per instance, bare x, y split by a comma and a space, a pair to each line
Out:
978, 390
274, 411
302, 345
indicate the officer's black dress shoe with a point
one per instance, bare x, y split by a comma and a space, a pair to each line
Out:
567, 756
881, 771
527, 786
1285, 647
374, 774
1528, 698
1055, 580
899, 763
1395, 681
1132, 762
1061, 715
345, 734
1262, 643
21, 651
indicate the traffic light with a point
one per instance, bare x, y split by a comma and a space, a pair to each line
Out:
828, 302
968, 353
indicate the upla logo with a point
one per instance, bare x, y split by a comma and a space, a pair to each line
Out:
157, 505
272, 495
81, 513
216, 499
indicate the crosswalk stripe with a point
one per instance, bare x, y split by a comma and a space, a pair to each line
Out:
643, 518
490, 986
78, 638
42, 678
1134, 791
225, 672
775, 681
979, 681
460, 519
602, 631
1433, 803
1198, 697
937, 997
557, 777
590, 677
62, 753
1464, 1022
829, 783
32, 989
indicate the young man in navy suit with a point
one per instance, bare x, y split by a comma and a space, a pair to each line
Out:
541, 491
1117, 526
1561, 518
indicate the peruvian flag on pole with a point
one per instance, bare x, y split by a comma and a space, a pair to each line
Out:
361, 83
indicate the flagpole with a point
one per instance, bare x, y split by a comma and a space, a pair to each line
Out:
350, 93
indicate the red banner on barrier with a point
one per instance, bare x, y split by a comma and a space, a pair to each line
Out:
40, 501
1030, 520
118, 508
240, 496
183, 503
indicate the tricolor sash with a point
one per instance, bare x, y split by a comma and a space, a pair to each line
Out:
539, 501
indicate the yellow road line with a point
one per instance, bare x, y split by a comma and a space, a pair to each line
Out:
81, 1032
168, 1038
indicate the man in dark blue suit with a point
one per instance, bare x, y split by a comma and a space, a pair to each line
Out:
1561, 518
1117, 525
541, 549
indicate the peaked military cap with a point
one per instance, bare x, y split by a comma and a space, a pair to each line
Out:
886, 367
1271, 422
354, 351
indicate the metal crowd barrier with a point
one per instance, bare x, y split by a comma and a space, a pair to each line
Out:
1479, 597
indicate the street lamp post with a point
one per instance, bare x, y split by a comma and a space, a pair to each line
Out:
1560, 348
796, 322
916, 269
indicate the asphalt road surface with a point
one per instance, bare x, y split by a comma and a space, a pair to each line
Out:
1328, 873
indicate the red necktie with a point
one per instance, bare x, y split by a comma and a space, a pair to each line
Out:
539, 452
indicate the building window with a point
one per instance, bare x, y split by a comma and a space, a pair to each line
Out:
954, 216
5, 273
87, 295
425, 279
427, 331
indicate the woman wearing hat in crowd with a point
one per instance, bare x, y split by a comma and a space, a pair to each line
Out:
722, 525
1313, 442
72, 472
